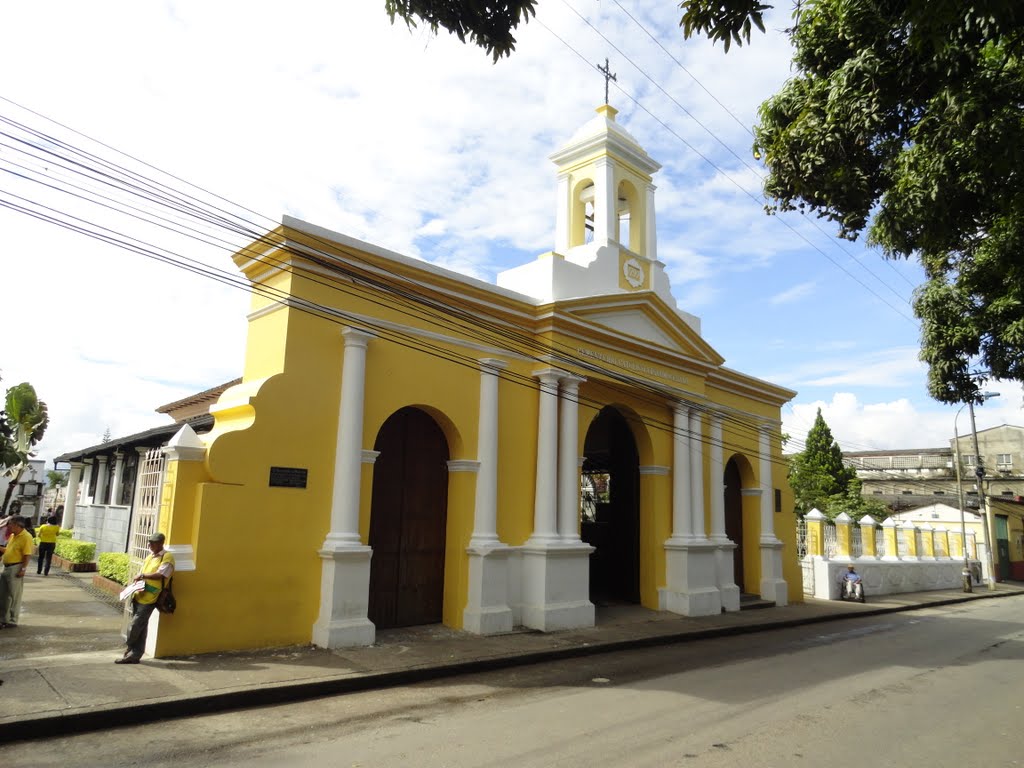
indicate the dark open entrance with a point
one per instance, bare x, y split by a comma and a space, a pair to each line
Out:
408, 516
611, 518
734, 519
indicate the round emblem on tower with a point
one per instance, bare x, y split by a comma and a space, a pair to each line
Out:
633, 271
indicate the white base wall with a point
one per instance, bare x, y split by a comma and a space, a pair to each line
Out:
886, 577
107, 526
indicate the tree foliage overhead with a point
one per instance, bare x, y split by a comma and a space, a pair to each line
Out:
486, 24
905, 120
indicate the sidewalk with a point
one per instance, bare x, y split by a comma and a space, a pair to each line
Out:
58, 675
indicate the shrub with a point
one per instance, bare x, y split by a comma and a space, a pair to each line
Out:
65, 534
114, 566
76, 551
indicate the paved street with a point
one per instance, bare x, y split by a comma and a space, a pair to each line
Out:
936, 687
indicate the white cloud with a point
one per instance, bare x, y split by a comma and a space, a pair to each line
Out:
795, 293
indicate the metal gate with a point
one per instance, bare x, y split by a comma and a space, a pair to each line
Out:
147, 506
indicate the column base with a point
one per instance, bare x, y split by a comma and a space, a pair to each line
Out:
691, 576
725, 553
487, 611
344, 598
773, 586
556, 586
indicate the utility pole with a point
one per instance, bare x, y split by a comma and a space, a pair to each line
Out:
986, 516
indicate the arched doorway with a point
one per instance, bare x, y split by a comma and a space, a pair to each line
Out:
734, 518
408, 516
611, 524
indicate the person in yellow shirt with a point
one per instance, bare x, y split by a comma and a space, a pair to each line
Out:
16, 554
47, 543
155, 573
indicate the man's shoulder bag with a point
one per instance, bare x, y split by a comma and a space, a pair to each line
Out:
165, 601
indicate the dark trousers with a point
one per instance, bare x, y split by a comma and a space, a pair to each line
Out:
44, 557
138, 629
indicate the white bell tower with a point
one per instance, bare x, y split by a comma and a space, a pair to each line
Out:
605, 193
605, 234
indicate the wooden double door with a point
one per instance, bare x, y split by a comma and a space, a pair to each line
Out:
408, 518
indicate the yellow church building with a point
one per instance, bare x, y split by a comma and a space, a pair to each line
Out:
409, 445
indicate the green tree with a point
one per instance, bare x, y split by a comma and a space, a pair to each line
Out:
56, 480
486, 24
24, 420
817, 474
905, 120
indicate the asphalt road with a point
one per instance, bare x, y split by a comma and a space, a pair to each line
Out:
939, 687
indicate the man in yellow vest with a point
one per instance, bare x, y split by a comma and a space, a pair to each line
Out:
155, 574
47, 543
17, 551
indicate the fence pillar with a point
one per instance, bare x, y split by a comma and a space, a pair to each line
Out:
815, 533
844, 536
928, 540
972, 544
892, 549
867, 537
910, 538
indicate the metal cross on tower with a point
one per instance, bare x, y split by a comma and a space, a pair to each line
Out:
607, 72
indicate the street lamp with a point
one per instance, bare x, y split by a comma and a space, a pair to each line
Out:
979, 472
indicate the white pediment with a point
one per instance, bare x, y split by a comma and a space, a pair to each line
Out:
636, 323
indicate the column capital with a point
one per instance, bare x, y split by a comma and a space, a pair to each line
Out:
357, 336
369, 457
76, 464
492, 365
102, 459
548, 375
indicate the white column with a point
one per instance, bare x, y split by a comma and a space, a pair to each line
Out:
545, 504
725, 550
101, 479
485, 515
773, 586
651, 235
86, 479
345, 573
569, 460
696, 475
348, 456
717, 478
68, 520
767, 494
682, 524
563, 213
605, 202
115, 488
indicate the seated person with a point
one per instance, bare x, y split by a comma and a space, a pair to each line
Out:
852, 585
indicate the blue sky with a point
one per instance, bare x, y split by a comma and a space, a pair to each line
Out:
418, 143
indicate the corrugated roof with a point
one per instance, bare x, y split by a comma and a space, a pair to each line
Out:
199, 397
150, 437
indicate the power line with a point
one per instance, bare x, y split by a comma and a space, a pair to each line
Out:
177, 205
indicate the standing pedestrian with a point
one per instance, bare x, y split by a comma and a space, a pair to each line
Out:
47, 543
17, 551
156, 572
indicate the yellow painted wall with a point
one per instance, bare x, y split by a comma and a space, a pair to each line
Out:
285, 413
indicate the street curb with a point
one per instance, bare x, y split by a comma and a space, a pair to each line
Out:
109, 716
